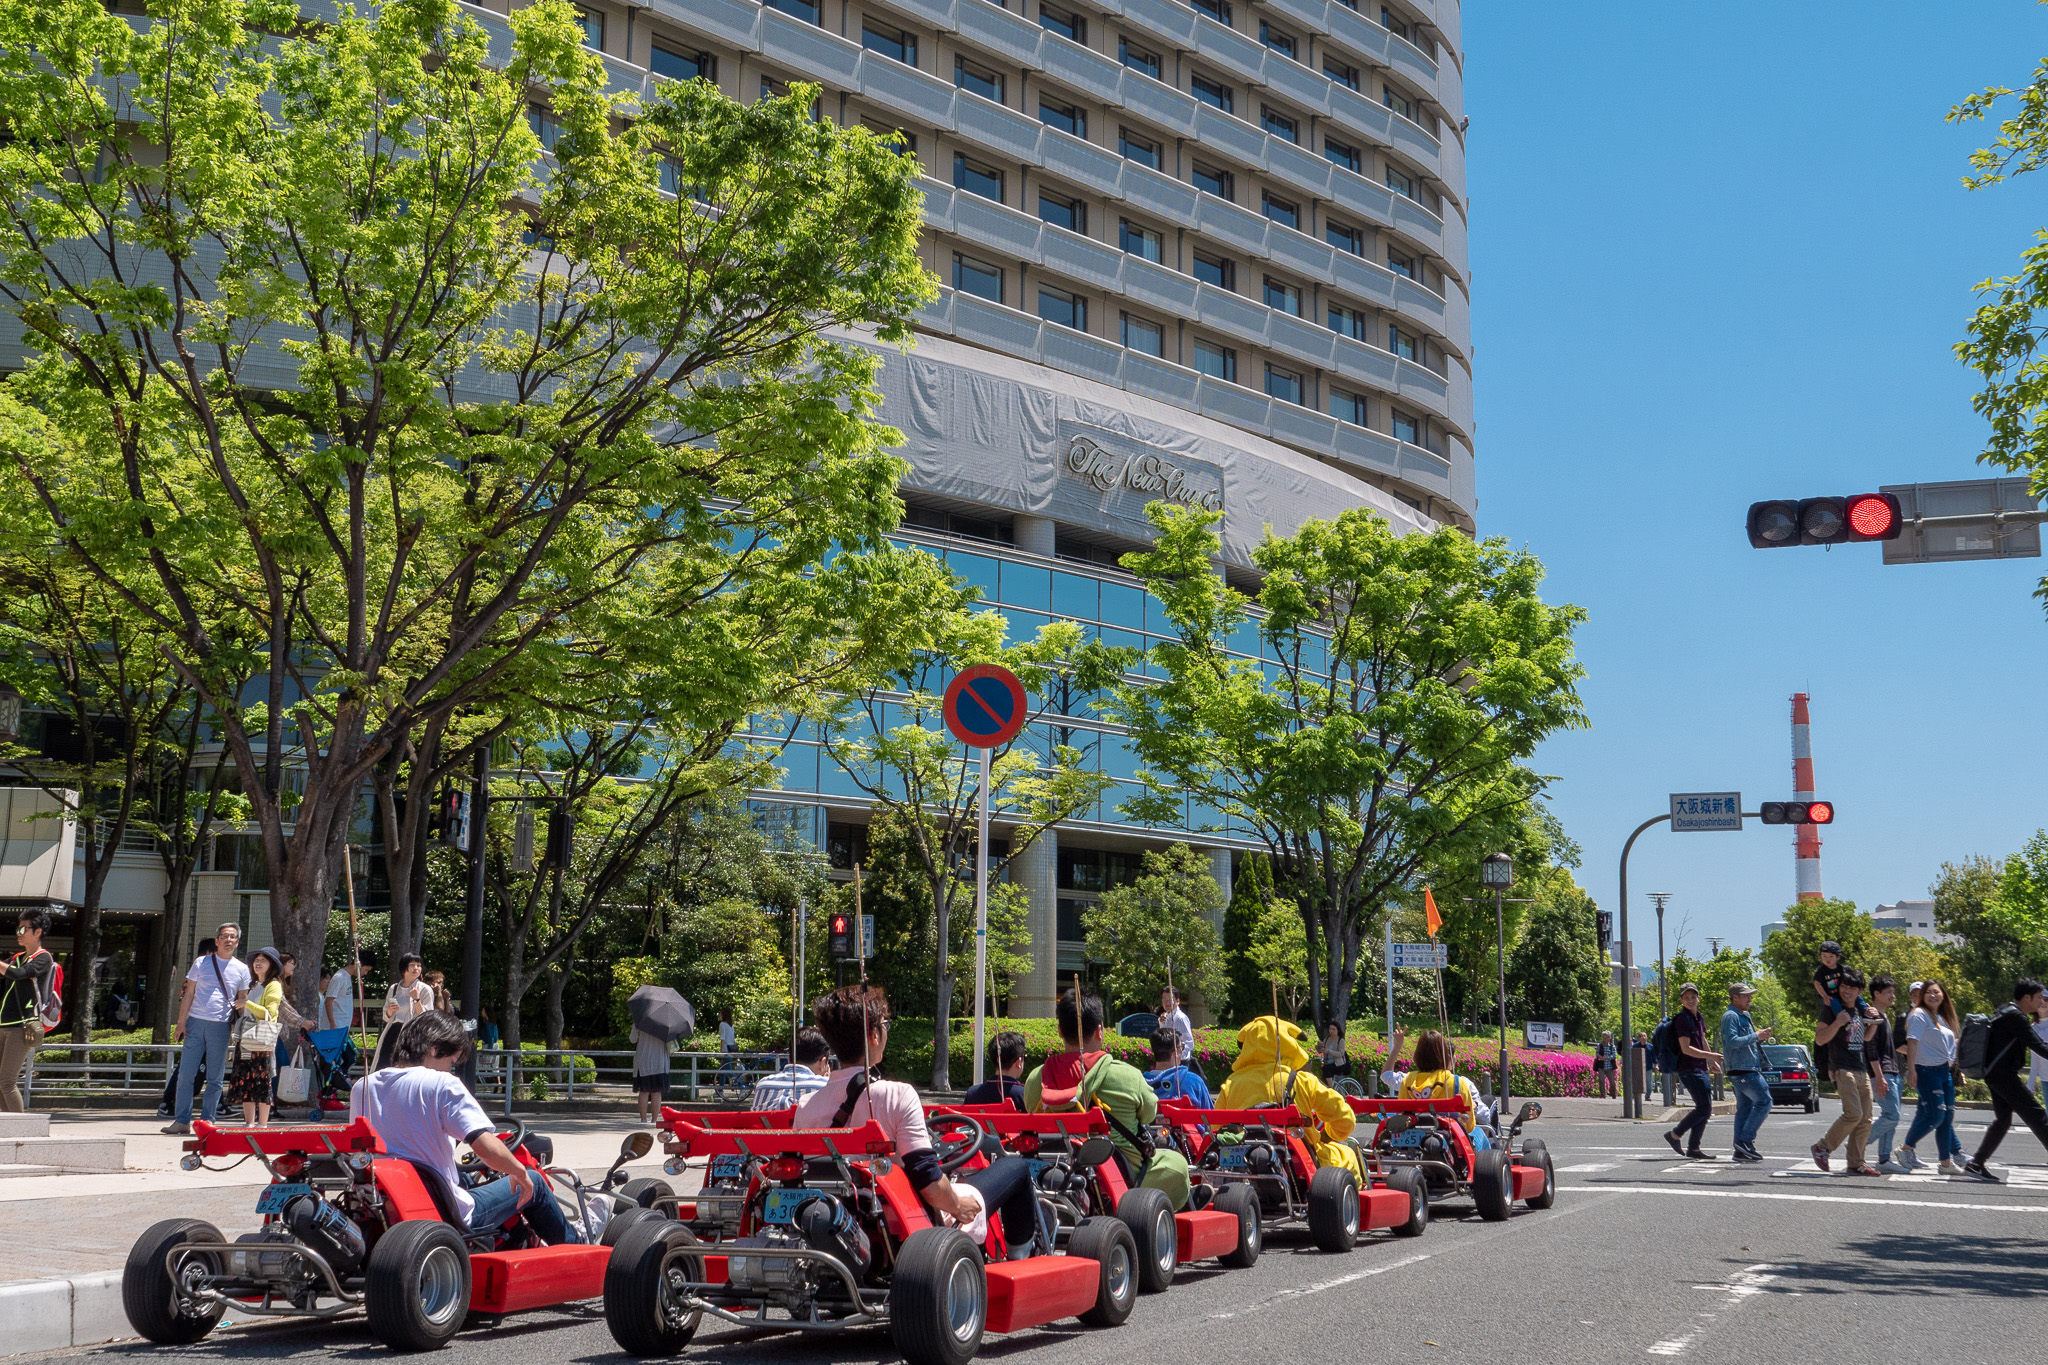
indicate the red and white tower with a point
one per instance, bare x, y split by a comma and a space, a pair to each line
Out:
1806, 844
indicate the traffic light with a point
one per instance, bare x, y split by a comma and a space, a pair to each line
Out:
1604, 922
1797, 812
448, 823
842, 936
561, 833
1850, 520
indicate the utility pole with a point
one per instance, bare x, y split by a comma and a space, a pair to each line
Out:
1663, 1005
1713, 945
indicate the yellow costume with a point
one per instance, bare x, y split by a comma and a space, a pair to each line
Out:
1441, 1085
1270, 1055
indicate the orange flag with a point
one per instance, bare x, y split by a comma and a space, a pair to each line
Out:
1436, 921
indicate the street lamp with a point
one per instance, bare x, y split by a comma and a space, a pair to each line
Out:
1663, 1004
1497, 874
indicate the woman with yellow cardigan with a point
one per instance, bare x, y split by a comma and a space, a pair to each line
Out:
249, 1084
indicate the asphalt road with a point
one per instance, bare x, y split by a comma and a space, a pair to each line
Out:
1645, 1257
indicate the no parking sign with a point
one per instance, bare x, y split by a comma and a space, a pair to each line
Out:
984, 706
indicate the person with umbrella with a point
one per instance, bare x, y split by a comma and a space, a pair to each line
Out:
660, 1016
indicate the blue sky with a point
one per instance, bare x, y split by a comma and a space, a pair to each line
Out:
1721, 253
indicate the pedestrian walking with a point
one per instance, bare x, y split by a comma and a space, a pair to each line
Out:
2037, 1065
254, 1068
1606, 1063
2012, 1038
214, 989
1335, 1058
1884, 1048
1689, 1032
23, 998
338, 996
1742, 1059
1639, 1062
1931, 1033
1845, 1033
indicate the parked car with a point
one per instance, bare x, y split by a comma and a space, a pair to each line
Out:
1788, 1070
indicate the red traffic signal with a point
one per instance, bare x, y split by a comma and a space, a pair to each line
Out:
1873, 516
842, 936
1824, 521
1797, 812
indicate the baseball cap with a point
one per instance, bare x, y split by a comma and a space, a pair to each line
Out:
1831, 947
1741, 988
1688, 986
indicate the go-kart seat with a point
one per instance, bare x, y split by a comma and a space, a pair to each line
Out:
441, 1193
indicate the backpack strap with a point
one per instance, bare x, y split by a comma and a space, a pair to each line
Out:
855, 1088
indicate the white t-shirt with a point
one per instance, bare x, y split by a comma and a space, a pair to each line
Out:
412, 1001
207, 1001
650, 1054
2037, 1065
1937, 1040
338, 1001
1178, 1022
896, 1110
728, 1040
421, 1114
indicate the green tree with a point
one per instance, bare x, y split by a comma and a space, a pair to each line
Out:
1900, 956
1556, 971
1278, 953
2021, 900
1985, 955
1793, 952
1416, 676
324, 345
1250, 897
1157, 927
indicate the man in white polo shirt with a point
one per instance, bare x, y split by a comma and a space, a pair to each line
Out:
217, 983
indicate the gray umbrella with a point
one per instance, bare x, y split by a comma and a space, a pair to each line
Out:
661, 1012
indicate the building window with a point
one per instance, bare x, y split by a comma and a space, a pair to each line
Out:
1212, 181
1068, 118
1339, 72
1216, 270
1068, 310
1400, 184
1284, 385
1343, 238
976, 178
1399, 264
1348, 407
978, 278
546, 127
681, 66
1400, 342
1140, 335
1277, 123
1139, 241
1341, 154
592, 24
1060, 211
1393, 24
1349, 321
1280, 211
894, 44
1210, 92
978, 80
1283, 296
1283, 43
1216, 361
1219, 10
1400, 104
900, 142
1062, 23
805, 10
1137, 59
1141, 150
1407, 428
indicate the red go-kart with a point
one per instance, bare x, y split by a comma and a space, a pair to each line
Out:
1417, 1144
348, 1226
1260, 1163
831, 1235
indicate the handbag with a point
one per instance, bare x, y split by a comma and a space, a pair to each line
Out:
258, 1037
295, 1082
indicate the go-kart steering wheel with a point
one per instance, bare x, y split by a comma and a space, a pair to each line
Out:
958, 1146
511, 1137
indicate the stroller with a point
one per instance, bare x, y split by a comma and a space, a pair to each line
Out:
334, 1062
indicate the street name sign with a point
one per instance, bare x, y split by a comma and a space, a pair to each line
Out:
1425, 955
1706, 812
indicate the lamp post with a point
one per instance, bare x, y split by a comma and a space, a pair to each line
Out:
1497, 874
1663, 1004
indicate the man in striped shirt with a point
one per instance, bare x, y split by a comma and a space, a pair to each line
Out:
803, 1077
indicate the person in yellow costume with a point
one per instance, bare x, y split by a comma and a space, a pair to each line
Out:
1270, 1056
1433, 1079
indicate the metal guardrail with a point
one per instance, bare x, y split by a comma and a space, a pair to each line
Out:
100, 1068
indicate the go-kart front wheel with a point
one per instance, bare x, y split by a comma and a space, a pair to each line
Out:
1148, 1213
641, 1307
938, 1298
623, 1222
416, 1287
646, 1189
1108, 1243
150, 1296
1333, 1209
1409, 1181
1536, 1152
1243, 1201
1492, 1184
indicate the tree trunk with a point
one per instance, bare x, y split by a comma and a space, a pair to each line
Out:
163, 965
300, 903
942, 983
85, 943
557, 981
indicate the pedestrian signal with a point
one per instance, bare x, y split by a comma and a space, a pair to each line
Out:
1797, 812
842, 936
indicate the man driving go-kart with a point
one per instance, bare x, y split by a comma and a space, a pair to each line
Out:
1268, 1070
1085, 1076
421, 1110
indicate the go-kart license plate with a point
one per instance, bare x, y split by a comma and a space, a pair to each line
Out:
727, 1167
1409, 1137
277, 1196
783, 1204
1231, 1158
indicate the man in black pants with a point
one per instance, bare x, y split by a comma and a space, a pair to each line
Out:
1689, 1031
2012, 1037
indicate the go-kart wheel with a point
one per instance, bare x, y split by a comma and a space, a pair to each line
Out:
416, 1287
1333, 1209
645, 1190
150, 1296
623, 1222
1492, 1184
1536, 1152
938, 1298
1108, 1243
641, 1306
1148, 1213
1242, 1200
1409, 1181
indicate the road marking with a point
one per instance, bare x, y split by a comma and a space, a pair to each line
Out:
1588, 1167
1696, 1193
1322, 1285
1738, 1288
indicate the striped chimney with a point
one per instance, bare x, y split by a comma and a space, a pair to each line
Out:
1805, 844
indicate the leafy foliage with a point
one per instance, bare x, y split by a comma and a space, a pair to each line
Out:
1555, 971
1159, 923
1988, 955
1278, 952
1793, 952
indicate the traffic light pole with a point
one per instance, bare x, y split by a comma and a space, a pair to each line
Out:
1631, 1098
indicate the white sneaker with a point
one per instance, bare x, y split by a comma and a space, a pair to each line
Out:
1908, 1158
1950, 1168
1892, 1167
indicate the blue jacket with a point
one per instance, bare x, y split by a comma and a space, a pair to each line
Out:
1182, 1084
1741, 1049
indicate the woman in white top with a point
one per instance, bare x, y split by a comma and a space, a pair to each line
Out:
408, 998
1931, 1031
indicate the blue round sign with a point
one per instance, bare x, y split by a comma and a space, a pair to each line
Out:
984, 706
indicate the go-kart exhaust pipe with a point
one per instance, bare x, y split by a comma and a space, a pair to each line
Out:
328, 1231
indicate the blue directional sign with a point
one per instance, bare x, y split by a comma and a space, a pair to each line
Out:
984, 706
1706, 812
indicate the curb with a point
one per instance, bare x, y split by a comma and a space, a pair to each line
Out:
50, 1315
